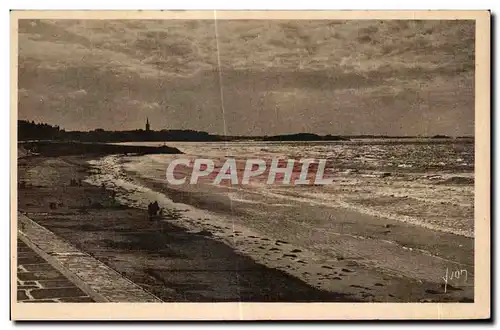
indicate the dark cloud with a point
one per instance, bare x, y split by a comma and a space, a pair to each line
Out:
329, 77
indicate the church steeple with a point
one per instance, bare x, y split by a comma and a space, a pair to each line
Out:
147, 124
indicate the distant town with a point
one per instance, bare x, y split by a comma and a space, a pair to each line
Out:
29, 130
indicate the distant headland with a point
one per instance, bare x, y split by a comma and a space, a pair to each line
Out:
29, 131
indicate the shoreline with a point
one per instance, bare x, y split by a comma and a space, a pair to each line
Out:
68, 148
199, 200
172, 263
351, 279
228, 212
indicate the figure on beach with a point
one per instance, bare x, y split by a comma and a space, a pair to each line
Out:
153, 210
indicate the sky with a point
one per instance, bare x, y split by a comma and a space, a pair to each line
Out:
250, 77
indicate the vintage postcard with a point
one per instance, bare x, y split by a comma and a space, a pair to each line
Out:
250, 165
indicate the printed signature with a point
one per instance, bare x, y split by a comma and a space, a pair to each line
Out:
454, 275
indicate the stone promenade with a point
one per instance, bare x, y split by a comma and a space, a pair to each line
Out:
38, 281
50, 269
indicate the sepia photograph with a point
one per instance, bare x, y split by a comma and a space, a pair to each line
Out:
325, 161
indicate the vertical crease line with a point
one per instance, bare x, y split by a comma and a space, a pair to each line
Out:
221, 90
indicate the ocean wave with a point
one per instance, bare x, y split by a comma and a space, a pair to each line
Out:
458, 180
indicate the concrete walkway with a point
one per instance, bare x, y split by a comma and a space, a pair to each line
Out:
38, 281
51, 269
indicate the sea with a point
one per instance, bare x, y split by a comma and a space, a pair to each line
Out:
424, 183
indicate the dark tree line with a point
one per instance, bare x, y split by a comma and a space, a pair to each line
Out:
140, 135
34, 131
40, 131
27, 130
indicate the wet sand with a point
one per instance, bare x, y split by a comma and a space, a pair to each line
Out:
165, 259
195, 265
397, 261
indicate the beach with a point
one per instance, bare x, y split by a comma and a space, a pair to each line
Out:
239, 245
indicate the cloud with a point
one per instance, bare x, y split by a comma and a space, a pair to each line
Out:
329, 74
77, 94
179, 46
144, 105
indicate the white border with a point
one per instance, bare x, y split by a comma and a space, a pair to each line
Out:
187, 4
